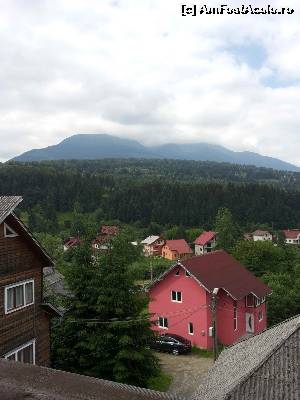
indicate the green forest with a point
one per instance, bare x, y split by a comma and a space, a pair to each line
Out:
175, 199
166, 192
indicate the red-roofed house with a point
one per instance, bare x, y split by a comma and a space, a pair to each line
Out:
180, 300
205, 243
110, 230
292, 236
176, 249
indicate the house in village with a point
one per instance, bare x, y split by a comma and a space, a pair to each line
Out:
181, 300
102, 241
265, 366
205, 243
24, 316
291, 236
176, 249
71, 243
152, 245
262, 236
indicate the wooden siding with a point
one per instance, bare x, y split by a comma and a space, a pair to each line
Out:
19, 261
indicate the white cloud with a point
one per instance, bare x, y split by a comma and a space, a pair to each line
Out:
141, 70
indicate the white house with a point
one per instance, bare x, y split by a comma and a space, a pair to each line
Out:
262, 235
205, 243
152, 245
292, 236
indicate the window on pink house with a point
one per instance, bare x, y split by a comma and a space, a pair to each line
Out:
260, 316
235, 315
163, 322
250, 300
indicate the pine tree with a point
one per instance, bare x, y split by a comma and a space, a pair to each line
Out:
227, 230
113, 344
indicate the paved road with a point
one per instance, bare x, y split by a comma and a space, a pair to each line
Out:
186, 370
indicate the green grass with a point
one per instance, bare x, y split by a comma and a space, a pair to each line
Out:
160, 382
202, 352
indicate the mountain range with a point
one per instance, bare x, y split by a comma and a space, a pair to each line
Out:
99, 146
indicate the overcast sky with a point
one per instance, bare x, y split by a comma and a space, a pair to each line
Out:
139, 69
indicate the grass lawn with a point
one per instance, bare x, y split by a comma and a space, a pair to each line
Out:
160, 382
202, 352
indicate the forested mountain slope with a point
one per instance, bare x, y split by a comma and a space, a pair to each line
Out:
100, 146
161, 191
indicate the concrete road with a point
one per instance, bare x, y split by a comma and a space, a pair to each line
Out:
187, 372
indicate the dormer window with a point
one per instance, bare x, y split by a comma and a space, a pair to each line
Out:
9, 232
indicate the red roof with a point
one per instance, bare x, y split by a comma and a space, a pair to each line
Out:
109, 230
179, 245
204, 238
291, 233
220, 270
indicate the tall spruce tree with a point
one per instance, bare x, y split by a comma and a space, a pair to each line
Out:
227, 229
106, 331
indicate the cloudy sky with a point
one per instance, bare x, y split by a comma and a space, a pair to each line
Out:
139, 69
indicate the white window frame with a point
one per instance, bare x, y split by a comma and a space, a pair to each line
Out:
22, 283
235, 317
5, 227
15, 351
164, 322
262, 315
250, 306
176, 301
189, 328
187, 274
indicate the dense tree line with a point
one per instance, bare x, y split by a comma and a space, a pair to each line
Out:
168, 197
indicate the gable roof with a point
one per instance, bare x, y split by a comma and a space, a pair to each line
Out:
266, 366
259, 232
179, 245
220, 270
205, 237
150, 240
291, 233
7, 205
109, 230
25, 381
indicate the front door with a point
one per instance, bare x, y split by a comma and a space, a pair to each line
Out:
249, 323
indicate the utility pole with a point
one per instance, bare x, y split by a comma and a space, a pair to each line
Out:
151, 270
214, 321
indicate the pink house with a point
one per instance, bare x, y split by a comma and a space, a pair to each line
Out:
180, 300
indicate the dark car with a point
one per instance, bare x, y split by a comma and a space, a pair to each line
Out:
172, 343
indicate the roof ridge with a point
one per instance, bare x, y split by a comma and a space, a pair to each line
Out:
266, 330
269, 355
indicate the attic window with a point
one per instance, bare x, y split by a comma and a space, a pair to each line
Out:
177, 273
187, 273
9, 232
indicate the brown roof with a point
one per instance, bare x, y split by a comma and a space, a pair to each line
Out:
109, 230
221, 270
259, 232
291, 233
179, 245
7, 205
204, 238
20, 381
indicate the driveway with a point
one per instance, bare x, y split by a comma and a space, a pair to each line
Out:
187, 372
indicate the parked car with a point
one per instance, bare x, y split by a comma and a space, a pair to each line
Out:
172, 343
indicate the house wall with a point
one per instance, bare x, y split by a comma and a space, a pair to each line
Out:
195, 308
208, 247
262, 238
19, 262
192, 309
225, 312
169, 254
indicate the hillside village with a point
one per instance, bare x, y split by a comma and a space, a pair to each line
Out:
204, 295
